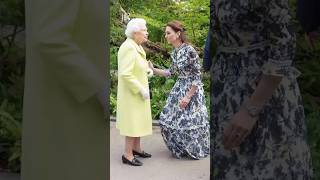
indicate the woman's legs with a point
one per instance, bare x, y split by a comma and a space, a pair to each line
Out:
128, 157
137, 149
136, 145
129, 145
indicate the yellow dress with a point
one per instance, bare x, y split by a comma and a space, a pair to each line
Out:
133, 112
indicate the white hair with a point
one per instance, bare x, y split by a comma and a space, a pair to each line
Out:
134, 25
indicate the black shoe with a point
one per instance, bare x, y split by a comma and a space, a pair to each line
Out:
142, 154
133, 162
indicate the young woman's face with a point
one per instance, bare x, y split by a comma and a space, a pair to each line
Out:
141, 36
171, 36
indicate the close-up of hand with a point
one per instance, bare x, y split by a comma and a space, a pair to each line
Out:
239, 128
184, 102
145, 94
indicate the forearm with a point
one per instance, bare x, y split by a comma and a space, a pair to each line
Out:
186, 99
136, 87
131, 81
264, 90
192, 91
160, 72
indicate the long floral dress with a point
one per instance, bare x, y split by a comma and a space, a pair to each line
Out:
255, 37
186, 131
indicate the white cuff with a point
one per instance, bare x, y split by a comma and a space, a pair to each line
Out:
145, 94
149, 72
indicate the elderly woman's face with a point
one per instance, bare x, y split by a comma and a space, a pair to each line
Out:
141, 36
171, 36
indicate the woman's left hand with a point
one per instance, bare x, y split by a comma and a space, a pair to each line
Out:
239, 128
184, 102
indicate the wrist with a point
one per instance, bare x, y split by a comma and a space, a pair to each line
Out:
143, 91
188, 96
167, 73
149, 72
252, 109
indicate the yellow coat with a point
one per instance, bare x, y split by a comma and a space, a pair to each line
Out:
133, 112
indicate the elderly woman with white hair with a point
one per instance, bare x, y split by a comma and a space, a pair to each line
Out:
133, 101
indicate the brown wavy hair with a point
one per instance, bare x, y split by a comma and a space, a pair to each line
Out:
177, 26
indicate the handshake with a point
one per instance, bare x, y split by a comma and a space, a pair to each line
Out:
145, 94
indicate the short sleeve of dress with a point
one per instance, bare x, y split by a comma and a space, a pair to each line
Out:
281, 37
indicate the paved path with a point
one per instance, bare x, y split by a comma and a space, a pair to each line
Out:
162, 166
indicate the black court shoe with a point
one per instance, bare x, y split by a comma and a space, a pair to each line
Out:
142, 154
133, 162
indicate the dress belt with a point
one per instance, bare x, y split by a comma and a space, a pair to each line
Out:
245, 49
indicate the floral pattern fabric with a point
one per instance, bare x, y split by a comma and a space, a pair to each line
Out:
186, 131
255, 37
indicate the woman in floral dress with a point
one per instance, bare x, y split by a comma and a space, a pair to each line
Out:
258, 129
184, 119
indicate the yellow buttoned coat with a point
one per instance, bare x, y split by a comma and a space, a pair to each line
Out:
133, 112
